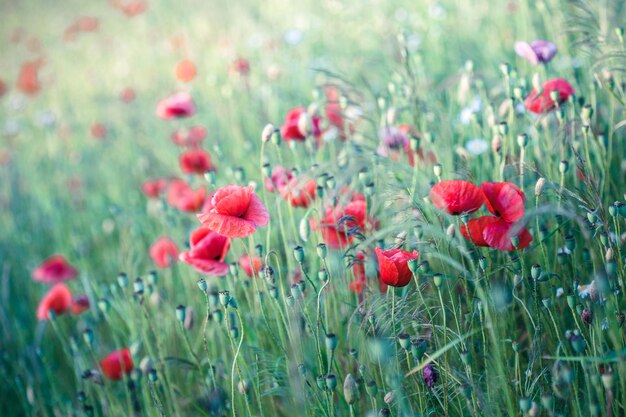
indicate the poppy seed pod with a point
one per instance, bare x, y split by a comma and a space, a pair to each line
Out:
522, 140
88, 337
563, 167
331, 382
437, 280
524, 404
153, 376
321, 382
234, 332
371, 388
322, 274
138, 286
103, 305
505, 69
181, 313
122, 280
322, 251
296, 293
202, 285
331, 341
224, 297
350, 389
152, 278
437, 170
298, 254
405, 341
535, 271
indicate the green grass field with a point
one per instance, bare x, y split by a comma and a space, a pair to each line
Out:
438, 229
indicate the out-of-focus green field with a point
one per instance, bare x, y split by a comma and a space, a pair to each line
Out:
426, 62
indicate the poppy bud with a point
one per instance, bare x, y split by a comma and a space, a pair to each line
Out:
505, 69
267, 132
331, 341
536, 82
298, 254
305, 123
555, 96
578, 343
414, 143
503, 128
389, 397
180, 313
418, 348
296, 293
321, 382
354, 353
413, 265
331, 183
516, 347
217, 316
424, 267
608, 380
563, 167
290, 301
138, 286
535, 271
483, 263
276, 138
202, 285
122, 280
451, 231
224, 297
371, 388
350, 389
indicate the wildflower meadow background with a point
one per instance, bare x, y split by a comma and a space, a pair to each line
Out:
316, 208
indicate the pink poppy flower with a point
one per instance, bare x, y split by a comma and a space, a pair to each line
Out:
207, 252
195, 161
234, 211
164, 252
457, 197
393, 266
279, 179
538, 51
53, 270
176, 106
57, 299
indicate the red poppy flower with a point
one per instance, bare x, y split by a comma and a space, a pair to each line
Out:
340, 223
505, 200
57, 299
176, 106
131, 8
251, 266
185, 70
98, 131
80, 304
291, 130
181, 196
297, 193
234, 211
117, 363
498, 235
240, 66
393, 266
195, 161
476, 228
82, 24
457, 197
164, 252
154, 188
358, 286
28, 80
207, 252
53, 270
190, 137
3, 88
279, 179
127, 95
542, 102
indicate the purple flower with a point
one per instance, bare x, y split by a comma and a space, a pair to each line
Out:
536, 51
392, 139
431, 376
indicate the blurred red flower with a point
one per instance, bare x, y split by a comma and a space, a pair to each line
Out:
340, 224
190, 137
127, 95
393, 266
57, 299
176, 106
250, 265
98, 131
80, 304
117, 363
290, 129
457, 197
298, 194
185, 70
28, 79
3, 88
181, 196
234, 211
154, 188
240, 66
164, 252
207, 252
195, 161
53, 270
541, 102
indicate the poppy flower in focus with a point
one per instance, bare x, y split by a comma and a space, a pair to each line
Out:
117, 363
190, 137
234, 211
250, 265
185, 70
176, 106
80, 304
195, 161
542, 102
299, 194
240, 66
475, 227
98, 131
127, 95
164, 252
28, 79
505, 200
291, 128
57, 299
154, 188
393, 266
181, 196
498, 235
207, 252
538, 51
53, 270
457, 197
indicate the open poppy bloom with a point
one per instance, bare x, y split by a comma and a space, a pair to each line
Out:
492, 231
538, 51
290, 129
299, 194
131, 8
57, 299
457, 197
181, 196
117, 363
393, 266
190, 137
98, 131
127, 95
195, 161
185, 70
28, 79
234, 211
339, 224
504, 200
474, 229
80, 304
250, 265
154, 188
207, 252
541, 102
53, 270
176, 106
164, 252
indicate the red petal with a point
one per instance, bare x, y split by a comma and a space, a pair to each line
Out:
498, 235
505, 200
457, 197
476, 228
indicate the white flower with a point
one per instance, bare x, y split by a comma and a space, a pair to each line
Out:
293, 36
559, 292
476, 146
